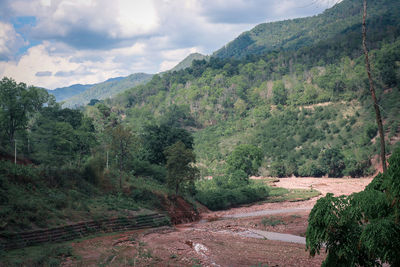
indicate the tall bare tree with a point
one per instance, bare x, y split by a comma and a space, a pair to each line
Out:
372, 89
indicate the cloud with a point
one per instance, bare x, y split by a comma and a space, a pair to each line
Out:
89, 41
43, 73
72, 73
89, 23
43, 57
10, 41
257, 11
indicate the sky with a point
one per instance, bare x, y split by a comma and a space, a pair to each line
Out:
57, 43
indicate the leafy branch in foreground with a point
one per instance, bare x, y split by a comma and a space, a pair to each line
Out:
363, 228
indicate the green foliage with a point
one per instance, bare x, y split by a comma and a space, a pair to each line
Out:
187, 62
61, 135
122, 143
246, 158
371, 130
144, 168
47, 255
180, 168
157, 138
17, 103
271, 221
234, 179
329, 30
363, 228
217, 197
332, 162
106, 89
230, 100
178, 116
279, 93
278, 169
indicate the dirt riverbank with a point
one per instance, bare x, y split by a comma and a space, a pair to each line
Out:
236, 237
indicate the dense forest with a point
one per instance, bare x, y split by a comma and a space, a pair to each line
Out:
308, 109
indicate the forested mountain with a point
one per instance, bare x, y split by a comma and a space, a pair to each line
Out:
187, 61
306, 104
331, 28
63, 93
107, 89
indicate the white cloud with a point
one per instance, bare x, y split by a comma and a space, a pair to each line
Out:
135, 49
10, 41
89, 41
134, 18
110, 21
38, 59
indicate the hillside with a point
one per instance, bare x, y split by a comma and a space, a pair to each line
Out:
344, 19
63, 93
268, 100
187, 61
107, 89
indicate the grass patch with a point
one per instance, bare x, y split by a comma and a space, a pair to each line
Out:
271, 221
46, 255
279, 194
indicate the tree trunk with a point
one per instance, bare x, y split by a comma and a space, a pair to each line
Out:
372, 90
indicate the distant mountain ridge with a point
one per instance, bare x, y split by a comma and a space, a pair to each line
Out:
76, 95
63, 93
187, 61
343, 18
107, 89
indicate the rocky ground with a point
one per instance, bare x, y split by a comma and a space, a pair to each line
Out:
235, 237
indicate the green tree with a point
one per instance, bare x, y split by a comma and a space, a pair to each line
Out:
332, 162
362, 229
279, 93
180, 168
246, 158
61, 135
16, 102
157, 138
278, 169
121, 142
53, 141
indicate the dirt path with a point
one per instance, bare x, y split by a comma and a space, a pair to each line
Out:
241, 236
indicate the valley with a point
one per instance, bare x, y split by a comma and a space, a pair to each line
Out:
265, 152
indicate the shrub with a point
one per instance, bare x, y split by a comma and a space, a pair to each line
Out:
357, 168
331, 161
93, 170
219, 198
145, 168
246, 158
278, 169
362, 229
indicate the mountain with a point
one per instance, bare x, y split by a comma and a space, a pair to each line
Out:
67, 92
63, 93
302, 101
187, 61
342, 19
107, 89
